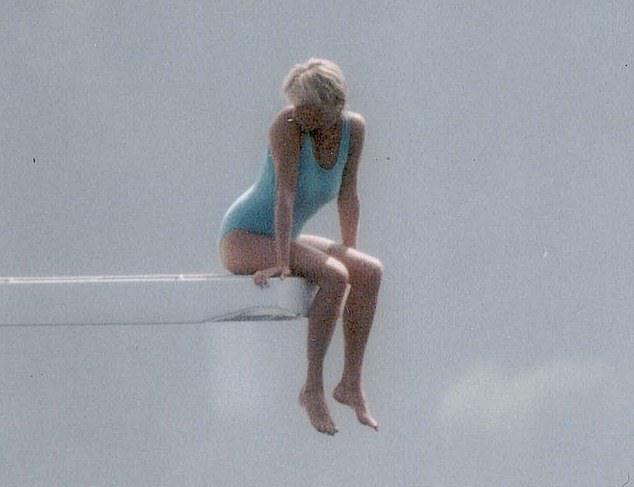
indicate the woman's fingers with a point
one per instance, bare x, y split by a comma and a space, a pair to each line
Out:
285, 272
262, 277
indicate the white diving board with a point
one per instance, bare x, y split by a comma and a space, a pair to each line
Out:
149, 299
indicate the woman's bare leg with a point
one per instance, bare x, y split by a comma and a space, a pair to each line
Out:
245, 253
365, 278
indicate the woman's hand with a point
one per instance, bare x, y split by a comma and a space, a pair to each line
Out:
262, 277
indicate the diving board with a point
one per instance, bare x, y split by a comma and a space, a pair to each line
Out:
149, 299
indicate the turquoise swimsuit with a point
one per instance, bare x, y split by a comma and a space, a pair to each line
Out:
254, 210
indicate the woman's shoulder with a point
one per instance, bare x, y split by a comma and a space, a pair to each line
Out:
285, 113
284, 117
357, 124
283, 124
355, 118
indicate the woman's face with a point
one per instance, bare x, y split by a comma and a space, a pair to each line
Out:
313, 117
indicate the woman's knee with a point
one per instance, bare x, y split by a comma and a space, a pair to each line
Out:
318, 267
336, 275
367, 271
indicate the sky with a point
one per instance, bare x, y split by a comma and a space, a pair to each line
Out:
496, 187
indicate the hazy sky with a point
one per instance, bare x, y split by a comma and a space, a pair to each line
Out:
496, 186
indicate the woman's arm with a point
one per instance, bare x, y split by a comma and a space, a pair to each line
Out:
348, 200
285, 136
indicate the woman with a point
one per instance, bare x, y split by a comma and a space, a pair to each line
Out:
314, 153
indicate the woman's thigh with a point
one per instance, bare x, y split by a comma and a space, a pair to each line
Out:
359, 265
317, 266
244, 252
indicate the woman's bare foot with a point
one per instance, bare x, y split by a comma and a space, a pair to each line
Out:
356, 400
317, 409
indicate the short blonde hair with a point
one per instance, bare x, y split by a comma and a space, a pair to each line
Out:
317, 81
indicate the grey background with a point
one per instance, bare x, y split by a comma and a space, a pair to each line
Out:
496, 187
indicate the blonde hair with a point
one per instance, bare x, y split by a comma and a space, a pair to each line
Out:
317, 81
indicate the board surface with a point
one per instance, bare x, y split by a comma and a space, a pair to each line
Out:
148, 299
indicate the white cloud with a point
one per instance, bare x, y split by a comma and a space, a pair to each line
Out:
487, 397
